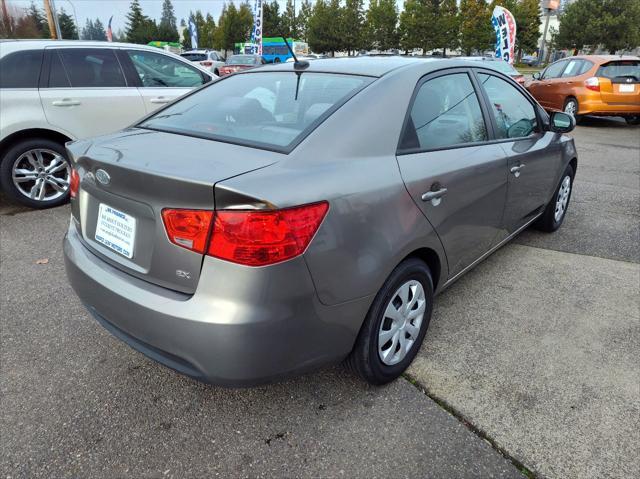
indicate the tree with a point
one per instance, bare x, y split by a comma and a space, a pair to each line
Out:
382, 25
207, 32
99, 32
476, 32
418, 25
303, 20
271, 20
140, 28
39, 20
352, 25
449, 25
324, 27
289, 21
68, 28
167, 30
612, 24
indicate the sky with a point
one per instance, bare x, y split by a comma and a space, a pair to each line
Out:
103, 9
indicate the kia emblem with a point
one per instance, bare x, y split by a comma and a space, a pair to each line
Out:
103, 177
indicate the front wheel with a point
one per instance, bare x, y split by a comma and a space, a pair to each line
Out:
36, 173
395, 325
556, 210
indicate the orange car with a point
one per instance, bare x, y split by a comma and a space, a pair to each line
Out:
602, 85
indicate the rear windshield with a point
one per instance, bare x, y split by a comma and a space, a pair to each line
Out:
194, 57
242, 60
626, 69
274, 110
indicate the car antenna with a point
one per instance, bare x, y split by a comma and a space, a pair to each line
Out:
297, 64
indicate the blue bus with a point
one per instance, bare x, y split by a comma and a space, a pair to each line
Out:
274, 49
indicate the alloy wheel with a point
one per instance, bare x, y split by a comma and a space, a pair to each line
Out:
563, 198
570, 107
400, 326
41, 174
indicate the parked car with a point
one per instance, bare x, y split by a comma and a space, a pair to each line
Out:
529, 60
52, 92
500, 65
285, 218
209, 59
235, 63
601, 85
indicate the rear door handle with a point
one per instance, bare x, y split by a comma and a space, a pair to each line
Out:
160, 100
434, 196
66, 102
516, 170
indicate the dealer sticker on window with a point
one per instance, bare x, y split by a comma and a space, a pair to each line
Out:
116, 230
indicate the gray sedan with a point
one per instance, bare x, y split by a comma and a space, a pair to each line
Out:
298, 215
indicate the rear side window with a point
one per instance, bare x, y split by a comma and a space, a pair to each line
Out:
573, 68
21, 69
158, 70
445, 112
57, 75
514, 114
194, 57
272, 109
554, 70
586, 66
92, 67
620, 70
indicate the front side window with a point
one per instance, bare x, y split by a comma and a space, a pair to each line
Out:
445, 112
554, 70
92, 67
158, 70
21, 69
270, 109
514, 114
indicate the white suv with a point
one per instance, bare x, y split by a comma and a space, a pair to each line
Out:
206, 58
52, 92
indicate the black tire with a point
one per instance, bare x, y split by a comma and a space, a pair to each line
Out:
547, 222
575, 108
364, 359
632, 120
276, 60
216, 72
6, 171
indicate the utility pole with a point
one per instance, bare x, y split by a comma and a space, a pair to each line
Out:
52, 26
54, 11
5, 18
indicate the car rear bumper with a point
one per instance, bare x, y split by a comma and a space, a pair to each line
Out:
243, 326
592, 105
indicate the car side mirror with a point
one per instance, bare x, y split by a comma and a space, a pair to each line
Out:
562, 122
536, 76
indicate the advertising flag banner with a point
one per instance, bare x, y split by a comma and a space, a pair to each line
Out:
193, 33
505, 26
109, 31
256, 33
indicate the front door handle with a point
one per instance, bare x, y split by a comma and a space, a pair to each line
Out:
516, 170
434, 196
160, 100
65, 102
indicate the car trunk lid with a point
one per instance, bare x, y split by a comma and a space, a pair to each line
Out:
127, 179
620, 82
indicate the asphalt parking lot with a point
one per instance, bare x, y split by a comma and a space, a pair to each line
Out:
530, 364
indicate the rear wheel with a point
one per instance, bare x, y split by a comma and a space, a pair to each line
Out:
556, 210
571, 107
36, 173
395, 325
633, 120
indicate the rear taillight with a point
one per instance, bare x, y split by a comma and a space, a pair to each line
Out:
188, 228
259, 238
206, 63
592, 83
74, 183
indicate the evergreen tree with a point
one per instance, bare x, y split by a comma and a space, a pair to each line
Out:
68, 28
140, 28
476, 31
39, 20
382, 25
324, 28
289, 21
528, 26
271, 20
167, 30
352, 22
99, 32
303, 20
418, 26
87, 30
450, 25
